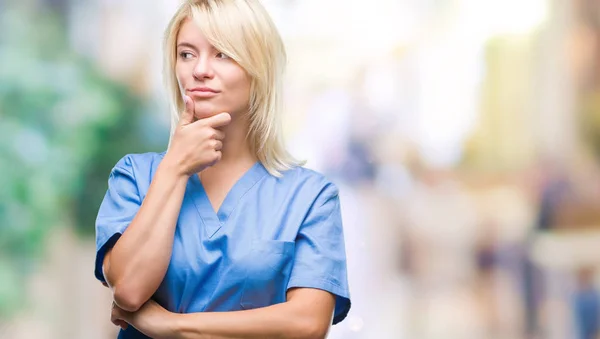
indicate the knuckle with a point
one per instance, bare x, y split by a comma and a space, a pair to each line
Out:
210, 135
204, 132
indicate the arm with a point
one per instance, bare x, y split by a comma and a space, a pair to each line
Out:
306, 314
137, 263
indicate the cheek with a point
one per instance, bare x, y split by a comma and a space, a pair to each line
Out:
241, 87
181, 72
237, 85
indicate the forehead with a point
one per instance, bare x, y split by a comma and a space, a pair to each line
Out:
189, 32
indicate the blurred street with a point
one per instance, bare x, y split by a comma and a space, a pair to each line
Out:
464, 136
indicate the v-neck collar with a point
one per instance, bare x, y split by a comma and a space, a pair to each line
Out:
214, 221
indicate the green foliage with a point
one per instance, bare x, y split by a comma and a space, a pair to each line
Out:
63, 125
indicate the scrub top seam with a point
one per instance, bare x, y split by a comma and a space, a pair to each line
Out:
313, 204
135, 183
298, 282
205, 220
241, 197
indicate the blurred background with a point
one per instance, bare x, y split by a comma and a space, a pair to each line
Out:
464, 136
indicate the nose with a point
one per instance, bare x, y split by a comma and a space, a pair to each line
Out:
203, 69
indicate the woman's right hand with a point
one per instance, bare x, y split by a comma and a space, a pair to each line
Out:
196, 144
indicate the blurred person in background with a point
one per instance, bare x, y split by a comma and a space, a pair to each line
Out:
554, 190
486, 263
224, 235
586, 305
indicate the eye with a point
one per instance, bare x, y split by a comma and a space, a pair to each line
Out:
222, 55
185, 55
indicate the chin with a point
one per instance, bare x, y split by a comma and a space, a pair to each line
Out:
205, 110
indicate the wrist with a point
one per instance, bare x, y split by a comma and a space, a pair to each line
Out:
173, 167
174, 326
188, 325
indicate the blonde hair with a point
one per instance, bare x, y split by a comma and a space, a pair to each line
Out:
243, 30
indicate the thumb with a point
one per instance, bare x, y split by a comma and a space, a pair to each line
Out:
187, 116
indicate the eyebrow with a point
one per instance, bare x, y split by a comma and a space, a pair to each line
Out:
186, 44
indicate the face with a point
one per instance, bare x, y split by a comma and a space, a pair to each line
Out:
215, 82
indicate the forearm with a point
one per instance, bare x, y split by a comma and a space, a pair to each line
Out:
283, 320
139, 260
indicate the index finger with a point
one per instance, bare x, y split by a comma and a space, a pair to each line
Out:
219, 120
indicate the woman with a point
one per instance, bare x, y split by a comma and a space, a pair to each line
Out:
224, 235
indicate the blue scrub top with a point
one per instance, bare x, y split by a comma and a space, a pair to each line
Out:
270, 234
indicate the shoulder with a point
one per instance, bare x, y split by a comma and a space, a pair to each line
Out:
309, 181
134, 172
139, 167
135, 162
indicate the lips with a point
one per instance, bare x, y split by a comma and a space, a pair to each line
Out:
203, 90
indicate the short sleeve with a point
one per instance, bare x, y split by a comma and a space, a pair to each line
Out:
320, 260
118, 208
